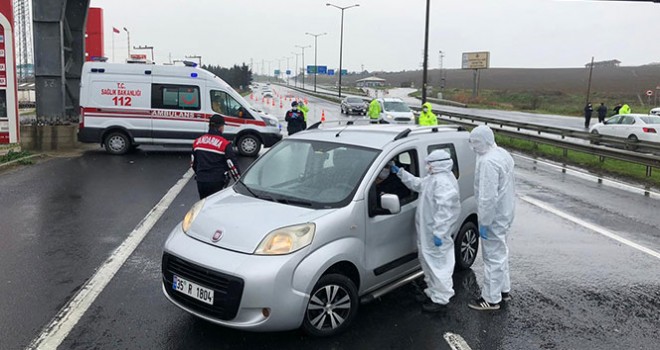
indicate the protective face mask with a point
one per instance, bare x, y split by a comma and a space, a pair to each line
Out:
384, 174
294, 109
426, 110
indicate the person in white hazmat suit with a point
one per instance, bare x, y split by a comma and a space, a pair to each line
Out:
494, 191
436, 220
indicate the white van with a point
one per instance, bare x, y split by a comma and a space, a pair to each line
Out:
395, 111
125, 105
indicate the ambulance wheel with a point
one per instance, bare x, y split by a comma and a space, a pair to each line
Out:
117, 143
249, 145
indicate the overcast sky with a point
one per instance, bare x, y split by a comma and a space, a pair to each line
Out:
388, 34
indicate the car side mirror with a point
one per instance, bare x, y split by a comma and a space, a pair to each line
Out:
390, 202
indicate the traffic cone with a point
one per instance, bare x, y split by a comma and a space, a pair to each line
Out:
273, 102
306, 101
322, 116
281, 105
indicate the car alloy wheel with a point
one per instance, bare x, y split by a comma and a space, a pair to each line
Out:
332, 306
249, 145
117, 143
466, 246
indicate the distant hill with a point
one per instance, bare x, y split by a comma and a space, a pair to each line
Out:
610, 80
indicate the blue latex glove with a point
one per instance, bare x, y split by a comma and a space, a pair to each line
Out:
394, 169
483, 232
437, 241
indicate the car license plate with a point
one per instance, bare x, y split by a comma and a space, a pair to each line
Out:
193, 290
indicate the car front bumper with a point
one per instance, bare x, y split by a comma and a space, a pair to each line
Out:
267, 300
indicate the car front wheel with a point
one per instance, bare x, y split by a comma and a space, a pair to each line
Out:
332, 306
466, 246
249, 145
117, 143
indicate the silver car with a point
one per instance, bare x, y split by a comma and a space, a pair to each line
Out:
307, 234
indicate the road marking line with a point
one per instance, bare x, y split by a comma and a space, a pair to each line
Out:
59, 328
456, 342
590, 226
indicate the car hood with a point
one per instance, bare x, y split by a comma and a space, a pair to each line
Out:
245, 221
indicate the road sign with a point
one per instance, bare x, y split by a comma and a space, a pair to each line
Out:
476, 60
649, 92
288, 72
277, 72
344, 72
331, 72
317, 69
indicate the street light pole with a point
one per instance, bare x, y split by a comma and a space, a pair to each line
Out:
288, 69
303, 62
426, 53
128, 37
341, 37
295, 76
316, 67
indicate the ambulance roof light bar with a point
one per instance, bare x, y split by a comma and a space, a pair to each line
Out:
190, 64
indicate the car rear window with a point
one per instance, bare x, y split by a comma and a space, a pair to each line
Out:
650, 120
354, 100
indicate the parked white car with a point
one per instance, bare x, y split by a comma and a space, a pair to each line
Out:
308, 233
634, 127
655, 111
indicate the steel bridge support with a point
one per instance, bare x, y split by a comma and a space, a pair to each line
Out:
59, 53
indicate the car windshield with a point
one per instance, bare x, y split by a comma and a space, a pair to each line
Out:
650, 120
353, 100
310, 174
396, 106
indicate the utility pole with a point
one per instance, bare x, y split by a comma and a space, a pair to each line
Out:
295, 76
591, 70
442, 71
426, 53
288, 69
316, 67
146, 47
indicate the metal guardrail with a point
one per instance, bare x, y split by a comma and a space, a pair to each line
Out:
647, 160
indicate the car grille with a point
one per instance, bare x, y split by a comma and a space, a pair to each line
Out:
227, 289
402, 119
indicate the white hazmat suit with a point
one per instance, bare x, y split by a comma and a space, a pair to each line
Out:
494, 189
437, 215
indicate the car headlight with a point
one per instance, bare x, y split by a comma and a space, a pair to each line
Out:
389, 117
286, 240
191, 215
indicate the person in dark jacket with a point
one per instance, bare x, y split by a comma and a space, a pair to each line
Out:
616, 109
209, 158
602, 112
588, 109
295, 119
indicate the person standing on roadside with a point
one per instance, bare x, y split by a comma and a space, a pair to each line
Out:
374, 111
295, 119
588, 109
426, 117
494, 191
625, 109
616, 109
210, 156
602, 112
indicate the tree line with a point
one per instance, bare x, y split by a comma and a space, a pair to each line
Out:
239, 77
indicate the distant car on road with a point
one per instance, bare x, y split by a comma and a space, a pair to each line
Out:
354, 105
655, 111
634, 127
395, 111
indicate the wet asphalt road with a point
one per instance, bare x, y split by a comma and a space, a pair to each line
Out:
573, 288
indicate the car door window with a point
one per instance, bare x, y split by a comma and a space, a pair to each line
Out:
452, 150
627, 120
183, 97
223, 103
392, 184
613, 120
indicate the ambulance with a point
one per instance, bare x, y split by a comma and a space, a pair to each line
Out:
124, 105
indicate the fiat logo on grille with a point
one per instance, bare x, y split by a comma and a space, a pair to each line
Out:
217, 235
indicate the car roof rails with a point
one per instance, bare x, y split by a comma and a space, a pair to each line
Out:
432, 128
348, 121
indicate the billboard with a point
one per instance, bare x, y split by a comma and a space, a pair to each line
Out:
476, 60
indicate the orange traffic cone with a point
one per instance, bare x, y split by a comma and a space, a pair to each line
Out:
306, 101
281, 105
273, 102
322, 116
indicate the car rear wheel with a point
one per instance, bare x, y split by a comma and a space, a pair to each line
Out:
466, 246
117, 143
332, 306
631, 145
249, 145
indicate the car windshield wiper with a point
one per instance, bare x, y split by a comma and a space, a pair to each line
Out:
247, 189
292, 201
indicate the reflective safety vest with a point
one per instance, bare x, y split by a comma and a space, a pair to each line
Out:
374, 110
427, 118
